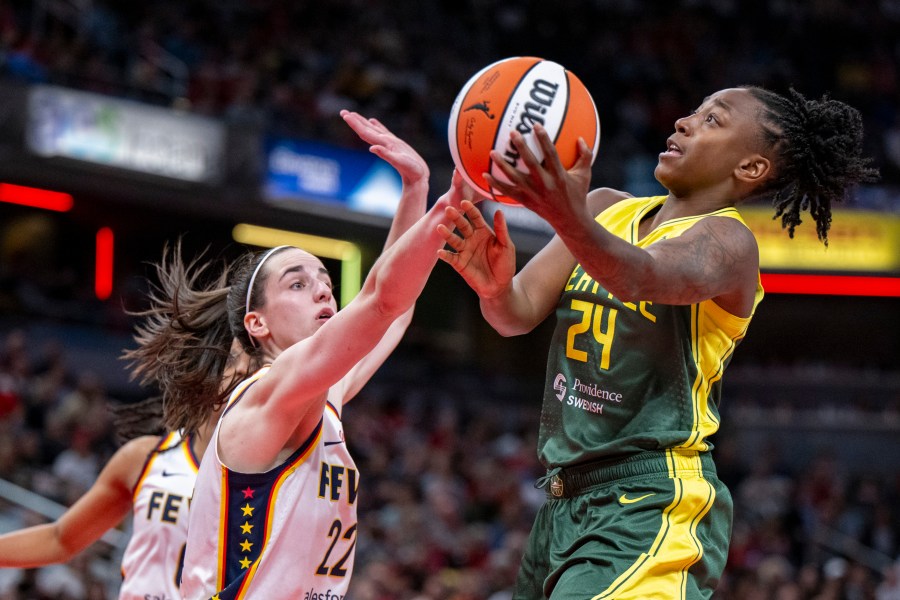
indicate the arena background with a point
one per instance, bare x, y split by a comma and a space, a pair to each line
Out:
123, 127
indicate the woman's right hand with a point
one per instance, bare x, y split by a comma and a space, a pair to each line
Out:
485, 258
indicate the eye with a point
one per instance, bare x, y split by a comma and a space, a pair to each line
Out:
327, 281
711, 118
298, 285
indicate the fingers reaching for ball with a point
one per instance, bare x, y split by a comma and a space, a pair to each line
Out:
515, 95
486, 260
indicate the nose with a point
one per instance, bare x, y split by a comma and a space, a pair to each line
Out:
323, 292
683, 125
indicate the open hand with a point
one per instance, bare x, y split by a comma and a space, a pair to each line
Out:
384, 144
485, 259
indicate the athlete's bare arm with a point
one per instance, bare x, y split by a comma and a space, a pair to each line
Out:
717, 258
414, 173
101, 508
285, 406
513, 304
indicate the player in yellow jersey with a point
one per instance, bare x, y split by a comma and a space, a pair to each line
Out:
651, 297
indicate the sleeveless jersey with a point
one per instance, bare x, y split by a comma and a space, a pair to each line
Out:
151, 563
625, 377
287, 533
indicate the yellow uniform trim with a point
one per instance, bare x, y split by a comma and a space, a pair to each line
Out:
663, 568
164, 443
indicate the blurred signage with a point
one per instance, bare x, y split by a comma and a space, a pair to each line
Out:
518, 218
298, 170
124, 134
861, 241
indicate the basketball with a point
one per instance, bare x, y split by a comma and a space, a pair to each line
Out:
515, 93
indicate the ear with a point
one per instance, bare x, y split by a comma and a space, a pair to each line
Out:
255, 324
753, 169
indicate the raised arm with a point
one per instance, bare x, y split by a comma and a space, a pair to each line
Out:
513, 303
287, 403
717, 258
410, 165
486, 259
414, 175
101, 508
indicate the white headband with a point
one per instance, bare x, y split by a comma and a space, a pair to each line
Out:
256, 271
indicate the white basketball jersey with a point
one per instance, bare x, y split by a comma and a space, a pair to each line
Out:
289, 533
151, 564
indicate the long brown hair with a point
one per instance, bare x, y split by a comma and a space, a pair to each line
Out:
183, 340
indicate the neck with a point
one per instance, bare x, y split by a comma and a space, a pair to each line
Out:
694, 204
200, 439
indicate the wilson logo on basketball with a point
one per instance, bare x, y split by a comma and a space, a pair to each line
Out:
542, 93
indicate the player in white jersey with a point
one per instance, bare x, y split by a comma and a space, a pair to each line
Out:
152, 477
151, 565
135, 479
274, 508
249, 515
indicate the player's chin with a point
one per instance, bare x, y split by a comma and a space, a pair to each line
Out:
663, 173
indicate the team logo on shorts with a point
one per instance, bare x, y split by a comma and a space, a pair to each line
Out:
559, 384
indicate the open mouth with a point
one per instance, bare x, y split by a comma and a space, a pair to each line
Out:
673, 149
325, 314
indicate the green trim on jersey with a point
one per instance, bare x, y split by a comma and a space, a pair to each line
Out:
625, 377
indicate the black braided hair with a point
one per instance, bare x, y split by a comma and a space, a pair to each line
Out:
817, 146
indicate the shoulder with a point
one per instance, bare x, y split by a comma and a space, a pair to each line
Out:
729, 243
126, 464
140, 447
600, 199
731, 231
730, 236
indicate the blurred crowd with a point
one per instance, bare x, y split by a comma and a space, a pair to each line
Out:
448, 456
290, 66
447, 498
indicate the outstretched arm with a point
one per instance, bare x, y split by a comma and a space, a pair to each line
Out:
717, 258
512, 303
101, 508
410, 165
287, 404
414, 175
